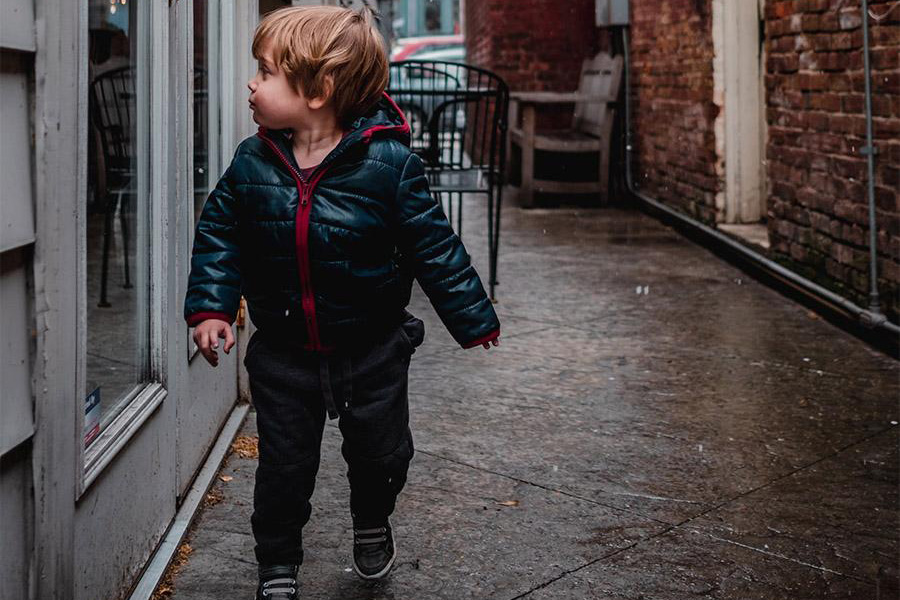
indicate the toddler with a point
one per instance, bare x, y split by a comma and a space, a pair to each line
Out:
322, 221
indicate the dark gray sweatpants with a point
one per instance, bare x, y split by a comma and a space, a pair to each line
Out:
292, 391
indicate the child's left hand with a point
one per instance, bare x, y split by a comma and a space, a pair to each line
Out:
495, 341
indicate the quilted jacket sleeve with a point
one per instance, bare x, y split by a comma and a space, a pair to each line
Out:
214, 284
440, 262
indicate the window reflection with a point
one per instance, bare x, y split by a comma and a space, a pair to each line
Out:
205, 110
201, 106
432, 16
116, 215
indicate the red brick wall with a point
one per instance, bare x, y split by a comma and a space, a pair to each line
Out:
534, 45
816, 197
673, 113
818, 202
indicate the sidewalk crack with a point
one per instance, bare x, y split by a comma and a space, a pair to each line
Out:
611, 507
590, 563
787, 558
786, 475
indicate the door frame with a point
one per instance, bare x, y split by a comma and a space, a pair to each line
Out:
738, 67
207, 395
153, 169
100, 513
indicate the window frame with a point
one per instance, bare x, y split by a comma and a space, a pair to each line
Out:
216, 18
135, 408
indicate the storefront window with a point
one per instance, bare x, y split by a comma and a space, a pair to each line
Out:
202, 106
206, 103
117, 215
433, 16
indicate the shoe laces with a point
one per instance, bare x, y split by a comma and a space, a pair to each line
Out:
370, 536
268, 588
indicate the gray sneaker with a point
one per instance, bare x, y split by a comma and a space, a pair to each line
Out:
373, 550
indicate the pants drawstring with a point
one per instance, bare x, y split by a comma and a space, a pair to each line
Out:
346, 385
325, 378
348, 382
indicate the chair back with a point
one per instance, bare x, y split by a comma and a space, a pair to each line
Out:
600, 76
114, 110
457, 114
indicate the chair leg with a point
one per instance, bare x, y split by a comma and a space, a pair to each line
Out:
459, 212
104, 269
123, 221
526, 192
605, 152
603, 176
494, 200
446, 207
512, 123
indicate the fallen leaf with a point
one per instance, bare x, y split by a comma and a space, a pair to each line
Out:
213, 497
226, 478
509, 503
246, 446
166, 587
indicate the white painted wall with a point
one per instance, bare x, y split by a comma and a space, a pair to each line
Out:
71, 532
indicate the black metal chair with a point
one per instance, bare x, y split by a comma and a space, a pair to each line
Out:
458, 117
112, 112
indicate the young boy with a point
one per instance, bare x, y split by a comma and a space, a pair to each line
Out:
321, 222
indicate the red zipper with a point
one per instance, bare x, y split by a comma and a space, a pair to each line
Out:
303, 259
301, 241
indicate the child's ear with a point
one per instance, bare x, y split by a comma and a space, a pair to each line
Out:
323, 99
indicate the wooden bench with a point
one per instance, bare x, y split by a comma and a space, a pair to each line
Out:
590, 131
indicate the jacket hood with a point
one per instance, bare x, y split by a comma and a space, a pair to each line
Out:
383, 119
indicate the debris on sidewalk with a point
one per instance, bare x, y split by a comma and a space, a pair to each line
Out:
166, 588
246, 446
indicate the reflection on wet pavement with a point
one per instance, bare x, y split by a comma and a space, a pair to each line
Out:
654, 424
111, 362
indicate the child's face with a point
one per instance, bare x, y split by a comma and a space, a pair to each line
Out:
274, 101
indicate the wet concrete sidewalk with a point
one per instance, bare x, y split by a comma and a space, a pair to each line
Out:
654, 424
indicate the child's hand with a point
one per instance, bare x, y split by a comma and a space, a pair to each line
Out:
495, 341
206, 336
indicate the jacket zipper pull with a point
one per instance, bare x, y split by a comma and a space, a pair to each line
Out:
304, 198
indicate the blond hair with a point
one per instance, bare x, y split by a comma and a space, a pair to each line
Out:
311, 43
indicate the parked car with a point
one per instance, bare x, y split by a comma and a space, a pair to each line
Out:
404, 47
455, 53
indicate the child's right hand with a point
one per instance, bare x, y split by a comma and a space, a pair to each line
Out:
206, 336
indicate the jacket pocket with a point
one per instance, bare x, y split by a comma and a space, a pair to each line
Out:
406, 341
252, 343
412, 329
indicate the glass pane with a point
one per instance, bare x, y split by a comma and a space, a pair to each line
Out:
433, 16
201, 106
206, 122
117, 211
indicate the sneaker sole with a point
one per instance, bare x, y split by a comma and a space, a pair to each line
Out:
382, 572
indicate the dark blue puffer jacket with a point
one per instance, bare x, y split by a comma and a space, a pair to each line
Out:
330, 263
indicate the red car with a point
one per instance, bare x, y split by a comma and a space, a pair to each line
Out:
405, 47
